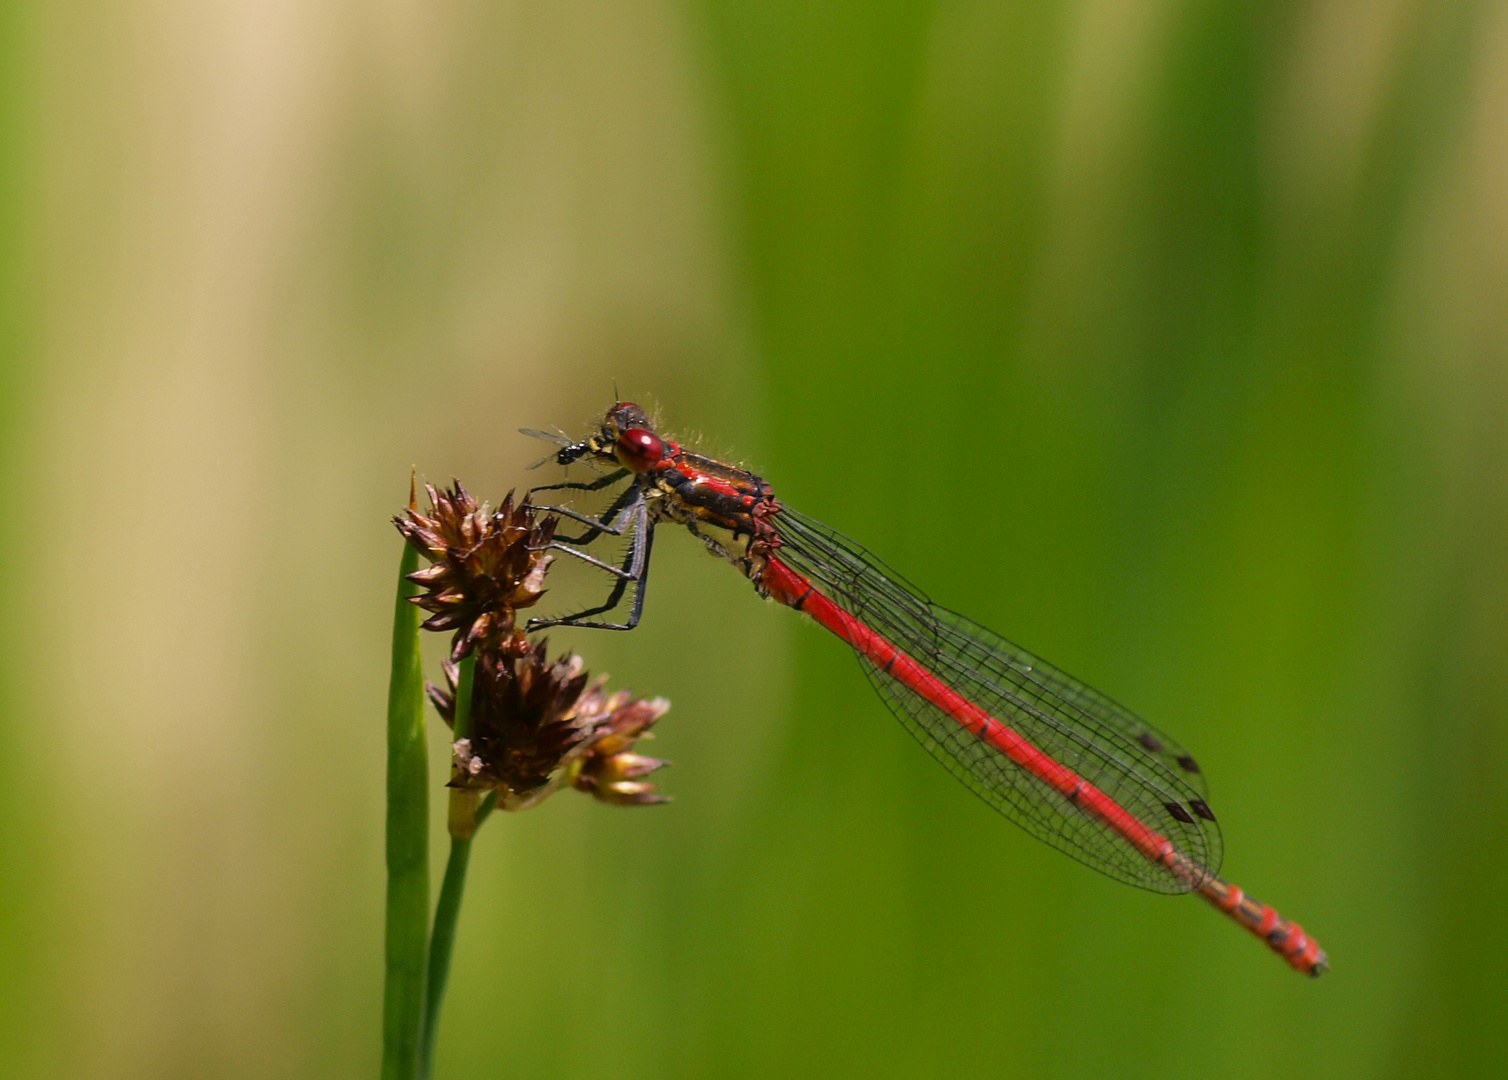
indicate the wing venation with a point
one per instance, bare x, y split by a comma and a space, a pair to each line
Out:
1148, 773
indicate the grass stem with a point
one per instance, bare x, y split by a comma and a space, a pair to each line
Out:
461, 822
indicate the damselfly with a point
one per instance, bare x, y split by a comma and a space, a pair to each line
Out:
1060, 759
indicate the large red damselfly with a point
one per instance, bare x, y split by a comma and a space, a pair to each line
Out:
1060, 759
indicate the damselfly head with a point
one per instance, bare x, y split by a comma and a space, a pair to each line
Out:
623, 416
631, 438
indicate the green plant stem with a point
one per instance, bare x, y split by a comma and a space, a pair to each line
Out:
405, 944
461, 819
442, 941
465, 679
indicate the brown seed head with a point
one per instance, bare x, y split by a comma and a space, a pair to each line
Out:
538, 725
610, 771
485, 565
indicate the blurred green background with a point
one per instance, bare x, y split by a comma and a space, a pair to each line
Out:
1170, 339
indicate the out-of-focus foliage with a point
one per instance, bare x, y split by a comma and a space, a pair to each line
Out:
1168, 339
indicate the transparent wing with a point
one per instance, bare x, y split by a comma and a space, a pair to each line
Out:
1147, 773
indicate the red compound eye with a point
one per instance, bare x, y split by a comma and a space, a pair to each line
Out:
639, 450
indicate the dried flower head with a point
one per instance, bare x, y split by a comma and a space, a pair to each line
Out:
609, 770
537, 726
486, 565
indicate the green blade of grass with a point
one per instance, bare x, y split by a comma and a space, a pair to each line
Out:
406, 942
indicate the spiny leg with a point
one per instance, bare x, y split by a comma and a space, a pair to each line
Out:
714, 545
595, 485
635, 569
599, 525
614, 599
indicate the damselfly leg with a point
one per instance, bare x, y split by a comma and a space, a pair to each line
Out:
598, 484
603, 523
632, 512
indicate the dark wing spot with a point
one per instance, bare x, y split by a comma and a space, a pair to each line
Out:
1177, 810
1150, 741
1202, 808
1188, 764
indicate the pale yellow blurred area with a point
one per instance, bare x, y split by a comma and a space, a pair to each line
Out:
292, 249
